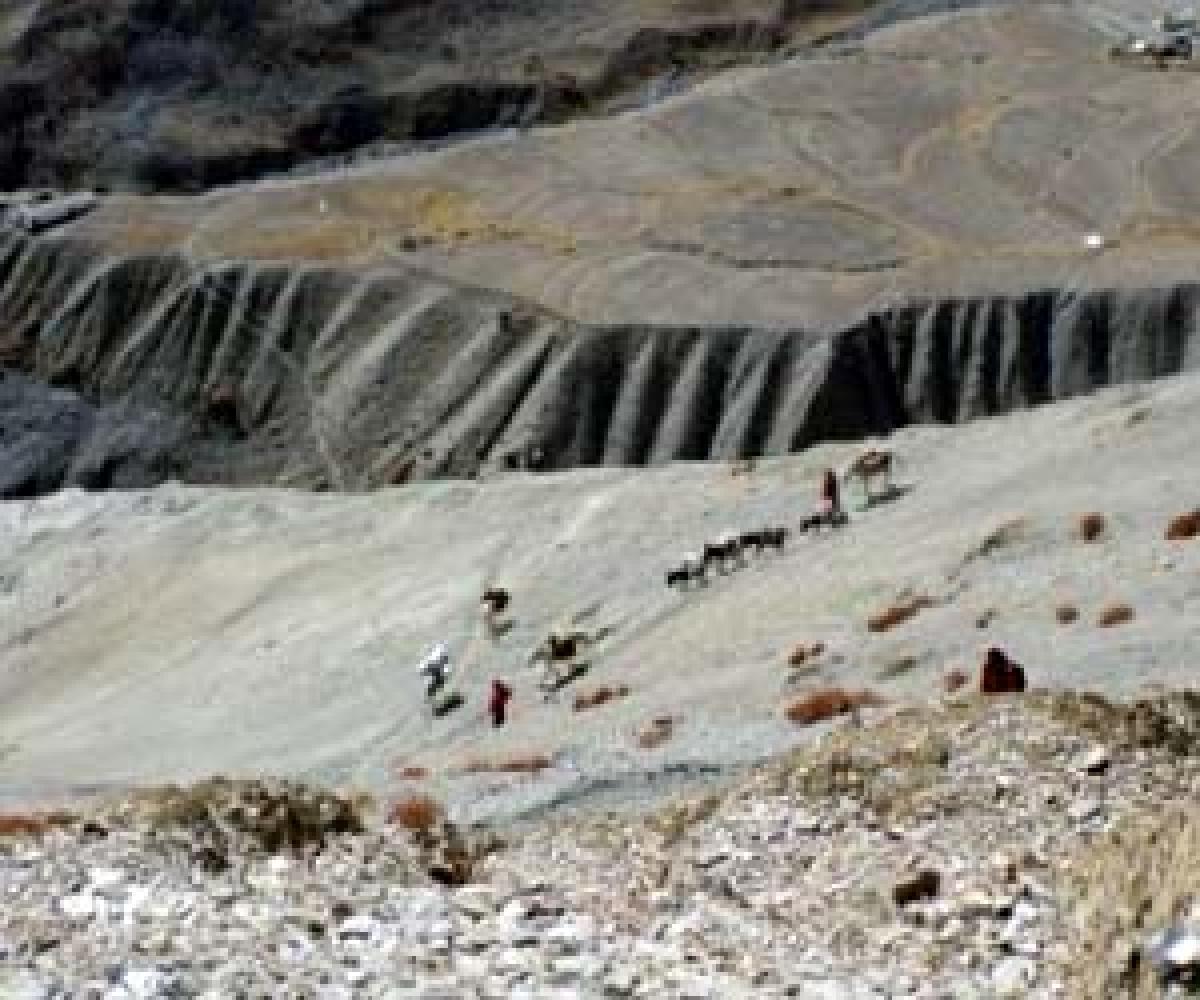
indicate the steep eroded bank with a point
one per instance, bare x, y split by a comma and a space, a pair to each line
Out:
126, 371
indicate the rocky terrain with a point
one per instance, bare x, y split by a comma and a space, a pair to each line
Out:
927, 218
144, 95
548, 297
955, 851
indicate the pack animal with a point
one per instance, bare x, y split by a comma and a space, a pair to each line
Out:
872, 464
765, 538
495, 601
493, 604
832, 519
725, 550
690, 569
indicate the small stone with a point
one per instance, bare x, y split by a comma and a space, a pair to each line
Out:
1087, 809
924, 885
1175, 948
977, 905
106, 878
1013, 976
78, 906
1096, 761
359, 928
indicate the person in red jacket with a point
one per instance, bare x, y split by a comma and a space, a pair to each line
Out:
498, 701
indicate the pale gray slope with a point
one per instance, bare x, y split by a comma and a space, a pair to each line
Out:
179, 632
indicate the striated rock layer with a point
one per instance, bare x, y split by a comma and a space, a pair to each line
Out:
137, 369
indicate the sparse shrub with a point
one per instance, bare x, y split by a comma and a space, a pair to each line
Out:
1065, 614
802, 653
414, 773
528, 764
415, 813
598, 697
1090, 526
657, 733
518, 764
898, 667
1115, 614
261, 815
898, 613
986, 618
828, 703
1008, 533
955, 680
1184, 526
23, 825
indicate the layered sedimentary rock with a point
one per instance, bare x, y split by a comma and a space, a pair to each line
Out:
131, 370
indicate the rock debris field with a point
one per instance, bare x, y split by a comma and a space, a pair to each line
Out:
946, 851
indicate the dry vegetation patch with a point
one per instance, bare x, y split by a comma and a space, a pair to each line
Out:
1114, 614
802, 654
955, 680
415, 812
1065, 614
248, 815
898, 613
1002, 536
828, 703
658, 732
528, 763
14, 825
1090, 527
1184, 526
600, 696
898, 667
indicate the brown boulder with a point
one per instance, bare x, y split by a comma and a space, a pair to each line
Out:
1000, 675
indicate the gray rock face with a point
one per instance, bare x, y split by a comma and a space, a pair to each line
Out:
52, 437
139, 95
260, 374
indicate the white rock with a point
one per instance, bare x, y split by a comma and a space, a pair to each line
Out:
975, 905
20, 984
78, 906
359, 927
1184, 950
1012, 977
1085, 810
106, 878
143, 981
1096, 761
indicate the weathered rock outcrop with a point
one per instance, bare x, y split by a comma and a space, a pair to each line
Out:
142, 368
146, 95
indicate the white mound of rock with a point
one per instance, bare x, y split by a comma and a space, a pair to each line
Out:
921, 858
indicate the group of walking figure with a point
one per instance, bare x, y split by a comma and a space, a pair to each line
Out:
557, 649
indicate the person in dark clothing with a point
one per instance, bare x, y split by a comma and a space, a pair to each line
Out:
498, 702
831, 502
